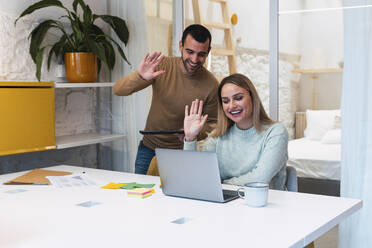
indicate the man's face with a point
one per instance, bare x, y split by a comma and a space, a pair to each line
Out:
193, 54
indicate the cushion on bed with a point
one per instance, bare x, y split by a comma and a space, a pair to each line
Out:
332, 136
318, 122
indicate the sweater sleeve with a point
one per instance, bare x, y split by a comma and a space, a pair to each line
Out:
189, 145
128, 85
208, 144
273, 157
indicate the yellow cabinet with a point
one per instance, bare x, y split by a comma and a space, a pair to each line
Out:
26, 117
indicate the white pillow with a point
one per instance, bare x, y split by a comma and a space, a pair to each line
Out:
318, 122
332, 137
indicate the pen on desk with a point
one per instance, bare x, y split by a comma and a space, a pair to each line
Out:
40, 184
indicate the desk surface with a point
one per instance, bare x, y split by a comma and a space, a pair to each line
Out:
45, 216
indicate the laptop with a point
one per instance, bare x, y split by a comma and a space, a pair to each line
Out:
192, 174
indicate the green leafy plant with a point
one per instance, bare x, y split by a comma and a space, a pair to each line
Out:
82, 35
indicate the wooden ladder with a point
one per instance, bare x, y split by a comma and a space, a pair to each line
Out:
226, 25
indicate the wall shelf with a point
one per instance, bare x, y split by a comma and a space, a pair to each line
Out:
82, 85
68, 141
75, 140
316, 71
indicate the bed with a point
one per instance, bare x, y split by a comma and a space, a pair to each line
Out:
316, 151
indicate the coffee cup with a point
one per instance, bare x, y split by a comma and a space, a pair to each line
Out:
255, 194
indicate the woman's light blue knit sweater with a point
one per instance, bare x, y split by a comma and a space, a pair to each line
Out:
246, 156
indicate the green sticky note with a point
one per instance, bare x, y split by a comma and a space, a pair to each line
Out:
147, 186
136, 185
129, 186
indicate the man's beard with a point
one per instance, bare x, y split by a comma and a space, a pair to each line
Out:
185, 64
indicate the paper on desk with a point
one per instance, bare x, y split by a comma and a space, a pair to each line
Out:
75, 180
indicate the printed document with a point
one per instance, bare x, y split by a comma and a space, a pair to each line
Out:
75, 180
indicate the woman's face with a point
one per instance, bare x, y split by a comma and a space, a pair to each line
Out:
237, 105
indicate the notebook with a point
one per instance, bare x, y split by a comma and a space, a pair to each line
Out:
191, 174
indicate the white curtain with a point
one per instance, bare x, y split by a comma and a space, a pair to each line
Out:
356, 170
130, 112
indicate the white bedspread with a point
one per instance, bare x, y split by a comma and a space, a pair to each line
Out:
315, 160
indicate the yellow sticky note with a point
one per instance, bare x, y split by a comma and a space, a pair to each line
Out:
113, 185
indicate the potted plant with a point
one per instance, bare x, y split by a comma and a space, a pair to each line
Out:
82, 37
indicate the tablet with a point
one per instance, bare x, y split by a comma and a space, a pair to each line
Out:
145, 132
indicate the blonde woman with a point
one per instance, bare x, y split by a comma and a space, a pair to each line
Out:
250, 146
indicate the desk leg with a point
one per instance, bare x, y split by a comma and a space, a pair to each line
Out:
311, 245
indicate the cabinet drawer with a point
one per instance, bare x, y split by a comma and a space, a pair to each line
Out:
27, 117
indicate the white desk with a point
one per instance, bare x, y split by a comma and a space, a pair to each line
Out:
45, 216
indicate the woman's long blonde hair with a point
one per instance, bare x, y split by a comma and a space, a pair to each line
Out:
259, 115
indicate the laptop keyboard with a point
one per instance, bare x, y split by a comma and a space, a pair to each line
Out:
227, 194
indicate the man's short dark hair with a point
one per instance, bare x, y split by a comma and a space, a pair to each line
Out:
198, 32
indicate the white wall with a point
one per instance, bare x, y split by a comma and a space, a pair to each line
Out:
321, 36
16, 7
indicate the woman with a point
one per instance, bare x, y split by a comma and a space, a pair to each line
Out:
250, 146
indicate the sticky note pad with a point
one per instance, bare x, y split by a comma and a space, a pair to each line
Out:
140, 193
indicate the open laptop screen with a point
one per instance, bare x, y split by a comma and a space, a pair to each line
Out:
190, 174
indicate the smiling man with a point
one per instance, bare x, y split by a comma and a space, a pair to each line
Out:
176, 82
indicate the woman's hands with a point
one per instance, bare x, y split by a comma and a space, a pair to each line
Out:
194, 120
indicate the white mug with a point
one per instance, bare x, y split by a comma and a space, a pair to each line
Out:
255, 194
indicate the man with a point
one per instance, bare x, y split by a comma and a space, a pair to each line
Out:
176, 82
